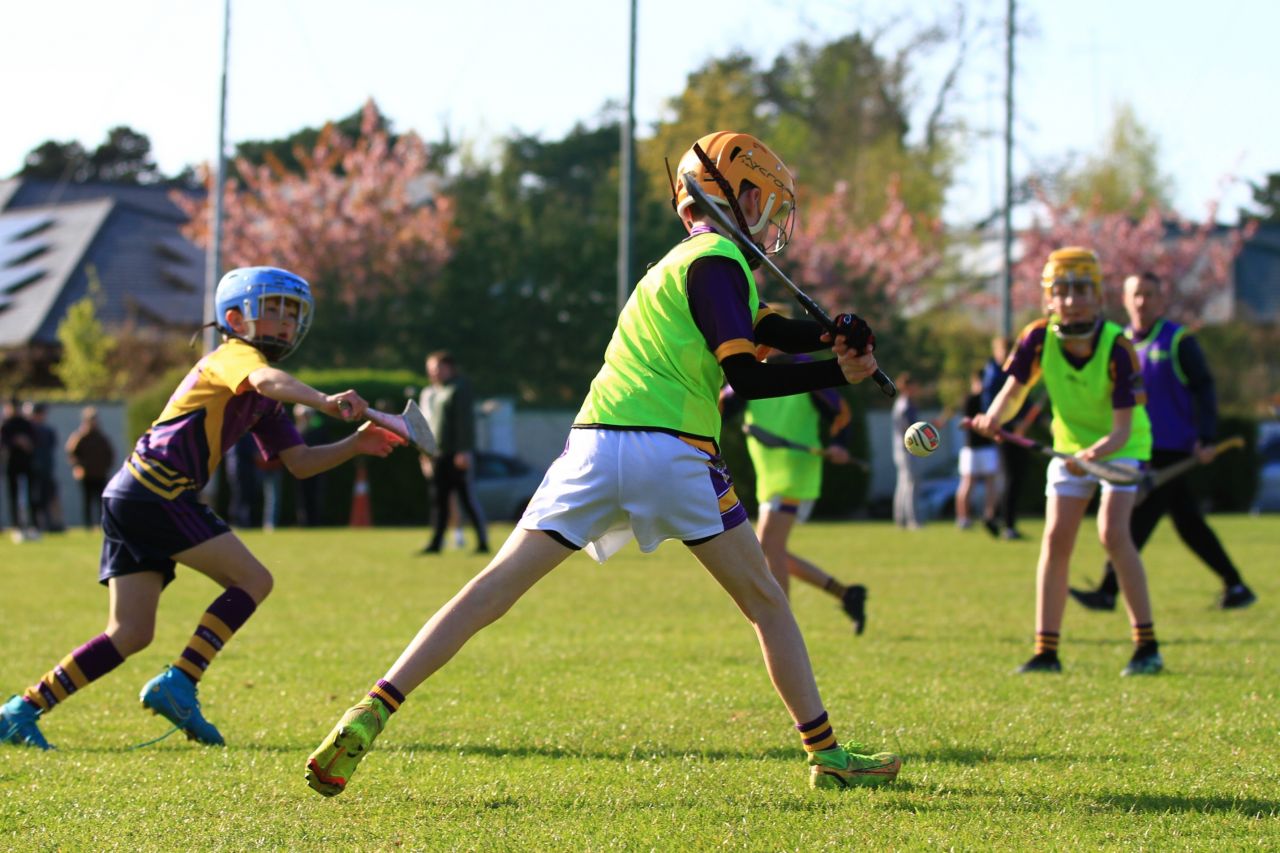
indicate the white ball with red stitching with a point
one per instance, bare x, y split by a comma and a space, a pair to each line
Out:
921, 438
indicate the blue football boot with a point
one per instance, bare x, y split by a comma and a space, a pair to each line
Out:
172, 695
18, 724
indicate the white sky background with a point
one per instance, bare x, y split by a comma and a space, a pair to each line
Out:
1201, 76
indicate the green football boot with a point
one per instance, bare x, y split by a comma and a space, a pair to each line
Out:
840, 768
332, 764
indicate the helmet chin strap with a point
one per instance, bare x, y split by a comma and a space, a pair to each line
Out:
1081, 330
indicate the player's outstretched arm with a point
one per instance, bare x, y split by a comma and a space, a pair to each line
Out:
278, 385
303, 461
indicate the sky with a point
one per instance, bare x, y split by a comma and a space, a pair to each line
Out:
1203, 83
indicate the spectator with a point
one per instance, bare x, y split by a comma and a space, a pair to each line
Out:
1014, 460
92, 457
46, 505
311, 427
905, 510
450, 410
18, 439
979, 462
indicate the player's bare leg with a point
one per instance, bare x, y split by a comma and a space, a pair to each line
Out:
735, 560
525, 558
773, 530
227, 562
131, 619
172, 694
1114, 515
1062, 519
853, 598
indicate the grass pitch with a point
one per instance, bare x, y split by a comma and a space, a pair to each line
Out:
626, 706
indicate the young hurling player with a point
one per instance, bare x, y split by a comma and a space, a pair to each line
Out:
1095, 389
642, 460
1184, 419
789, 480
152, 519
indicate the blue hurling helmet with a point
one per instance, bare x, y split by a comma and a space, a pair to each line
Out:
247, 290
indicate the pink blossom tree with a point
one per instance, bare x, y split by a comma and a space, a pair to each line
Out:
844, 265
1194, 258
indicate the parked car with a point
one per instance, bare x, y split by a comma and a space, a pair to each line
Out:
504, 485
1268, 496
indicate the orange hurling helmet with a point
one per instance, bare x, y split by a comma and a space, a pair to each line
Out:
739, 157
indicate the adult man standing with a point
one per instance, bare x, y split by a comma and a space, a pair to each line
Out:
17, 438
450, 411
46, 506
92, 457
1184, 420
904, 414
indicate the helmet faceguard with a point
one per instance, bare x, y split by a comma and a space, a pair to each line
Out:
729, 159
1068, 269
252, 291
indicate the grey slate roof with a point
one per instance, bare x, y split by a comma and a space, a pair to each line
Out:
50, 236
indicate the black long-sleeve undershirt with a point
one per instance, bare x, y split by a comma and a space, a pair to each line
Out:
1200, 383
757, 380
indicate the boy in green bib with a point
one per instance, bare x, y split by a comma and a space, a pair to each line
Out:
1094, 381
643, 461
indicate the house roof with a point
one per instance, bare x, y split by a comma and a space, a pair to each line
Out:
40, 249
52, 235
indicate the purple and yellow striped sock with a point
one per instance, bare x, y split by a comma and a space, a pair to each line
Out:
1046, 641
224, 617
386, 692
88, 663
817, 735
1144, 633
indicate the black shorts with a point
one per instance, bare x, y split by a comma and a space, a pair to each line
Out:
143, 536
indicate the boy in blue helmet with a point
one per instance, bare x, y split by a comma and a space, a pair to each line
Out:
152, 518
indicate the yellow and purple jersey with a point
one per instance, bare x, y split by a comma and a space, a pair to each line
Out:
207, 414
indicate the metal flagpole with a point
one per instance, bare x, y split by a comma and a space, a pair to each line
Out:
626, 202
1006, 296
213, 259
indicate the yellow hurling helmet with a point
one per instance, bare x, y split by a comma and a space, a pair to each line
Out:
740, 157
1072, 264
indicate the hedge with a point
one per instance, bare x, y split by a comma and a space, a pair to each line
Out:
398, 491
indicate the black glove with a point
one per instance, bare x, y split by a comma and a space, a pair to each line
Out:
856, 333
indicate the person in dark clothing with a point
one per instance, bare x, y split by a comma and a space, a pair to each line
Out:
450, 410
979, 462
91, 456
311, 426
1014, 460
46, 506
1184, 421
18, 439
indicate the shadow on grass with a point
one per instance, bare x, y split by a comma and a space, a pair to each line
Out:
1165, 803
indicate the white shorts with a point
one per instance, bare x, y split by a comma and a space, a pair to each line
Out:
800, 509
610, 485
979, 461
1062, 482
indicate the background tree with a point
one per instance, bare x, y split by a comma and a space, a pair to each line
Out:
87, 348
1266, 196
1195, 258
124, 157
1124, 176
361, 221
57, 161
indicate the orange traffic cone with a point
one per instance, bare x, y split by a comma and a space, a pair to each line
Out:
361, 512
